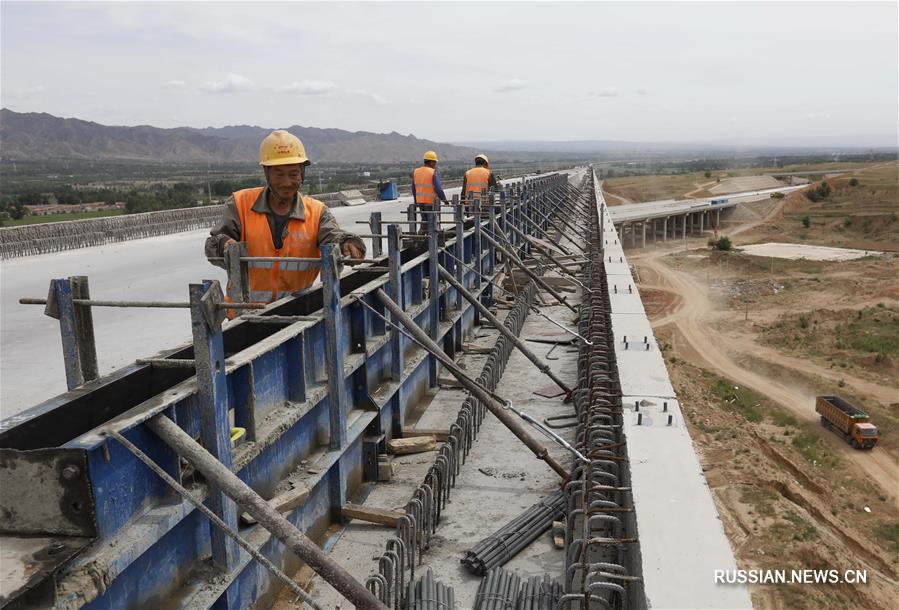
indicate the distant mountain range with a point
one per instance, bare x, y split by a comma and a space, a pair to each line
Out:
34, 135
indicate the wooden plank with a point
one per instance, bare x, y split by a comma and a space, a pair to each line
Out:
412, 444
441, 434
474, 348
371, 514
283, 502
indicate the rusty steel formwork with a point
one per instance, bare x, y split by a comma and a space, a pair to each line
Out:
319, 382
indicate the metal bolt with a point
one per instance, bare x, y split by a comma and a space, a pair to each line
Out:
70, 472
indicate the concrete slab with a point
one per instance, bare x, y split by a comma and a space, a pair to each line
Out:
682, 540
806, 251
622, 301
616, 268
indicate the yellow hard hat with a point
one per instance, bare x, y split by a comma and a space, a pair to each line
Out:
484, 157
430, 156
282, 148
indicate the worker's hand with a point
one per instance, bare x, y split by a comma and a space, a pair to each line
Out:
350, 250
228, 244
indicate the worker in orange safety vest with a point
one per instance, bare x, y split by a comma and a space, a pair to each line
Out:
478, 180
426, 187
277, 221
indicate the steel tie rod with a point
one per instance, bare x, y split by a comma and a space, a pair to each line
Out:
552, 259
516, 341
486, 398
540, 282
265, 514
146, 304
533, 308
215, 519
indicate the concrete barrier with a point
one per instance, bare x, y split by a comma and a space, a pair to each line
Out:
72, 234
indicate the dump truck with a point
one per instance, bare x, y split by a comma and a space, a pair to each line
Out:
846, 419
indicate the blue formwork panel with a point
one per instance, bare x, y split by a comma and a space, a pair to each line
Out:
150, 545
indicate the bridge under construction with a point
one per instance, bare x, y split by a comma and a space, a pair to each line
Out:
478, 417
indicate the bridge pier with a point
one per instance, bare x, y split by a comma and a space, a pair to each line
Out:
665, 229
701, 222
643, 230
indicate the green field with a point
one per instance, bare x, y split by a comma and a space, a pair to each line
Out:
34, 220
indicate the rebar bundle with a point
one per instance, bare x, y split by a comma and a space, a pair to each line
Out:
504, 590
498, 591
429, 594
501, 546
539, 593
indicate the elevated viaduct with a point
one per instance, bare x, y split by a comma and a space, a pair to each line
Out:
296, 409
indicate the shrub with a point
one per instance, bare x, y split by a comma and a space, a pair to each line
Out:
822, 191
853, 182
723, 243
847, 222
806, 221
708, 174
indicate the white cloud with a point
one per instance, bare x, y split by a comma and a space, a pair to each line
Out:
230, 84
309, 87
175, 84
817, 116
642, 92
515, 84
608, 92
376, 98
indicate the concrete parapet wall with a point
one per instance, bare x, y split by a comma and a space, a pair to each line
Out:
71, 234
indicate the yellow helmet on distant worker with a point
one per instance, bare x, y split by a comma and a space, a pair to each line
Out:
430, 156
282, 148
485, 159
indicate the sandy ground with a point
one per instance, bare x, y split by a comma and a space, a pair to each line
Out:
726, 354
808, 252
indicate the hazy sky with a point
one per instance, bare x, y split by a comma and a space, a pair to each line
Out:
467, 71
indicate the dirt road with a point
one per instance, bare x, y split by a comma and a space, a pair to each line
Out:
710, 349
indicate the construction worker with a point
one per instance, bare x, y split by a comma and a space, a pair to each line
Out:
275, 220
478, 179
426, 188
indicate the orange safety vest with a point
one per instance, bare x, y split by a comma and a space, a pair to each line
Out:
477, 179
272, 281
423, 179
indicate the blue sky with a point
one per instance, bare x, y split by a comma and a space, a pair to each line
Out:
466, 71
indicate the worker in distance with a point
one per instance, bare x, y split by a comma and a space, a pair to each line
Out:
426, 187
277, 221
479, 179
